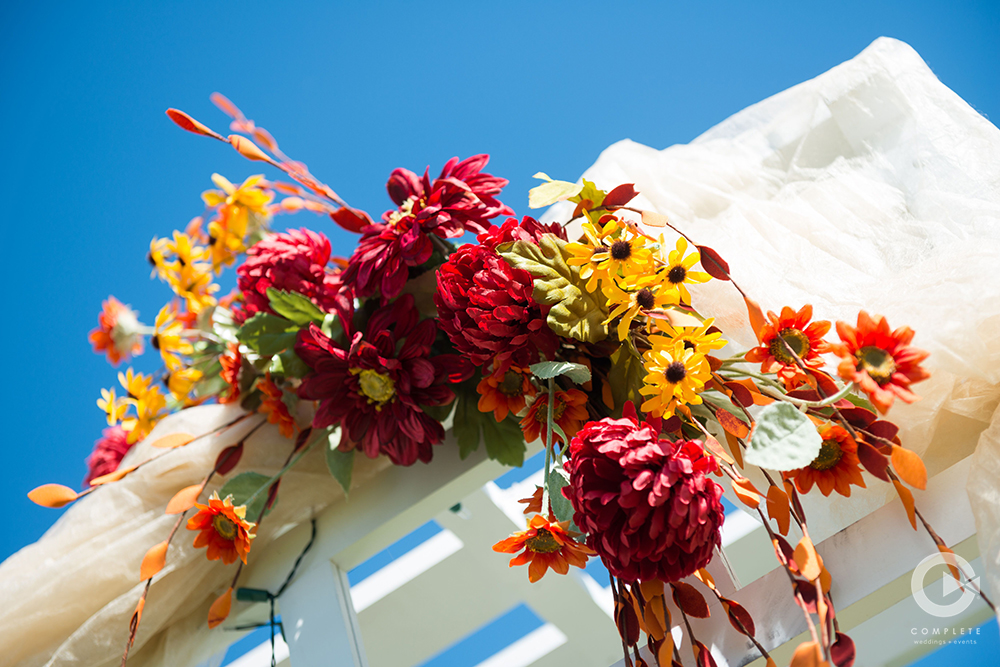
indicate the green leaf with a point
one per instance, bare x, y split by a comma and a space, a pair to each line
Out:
291, 365
591, 193
268, 334
295, 307
504, 441
561, 507
466, 425
242, 487
544, 370
626, 376
339, 462
783, 439
575, 313
550, 192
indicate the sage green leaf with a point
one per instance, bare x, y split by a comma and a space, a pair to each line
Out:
561, 506
591, 193
466, 425
268, 334
504, 440
544, 370
242, 487
783, 439
550, 192
575, 313
626, 377
339, 462
294, 306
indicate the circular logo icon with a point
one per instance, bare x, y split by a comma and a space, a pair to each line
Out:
948, 586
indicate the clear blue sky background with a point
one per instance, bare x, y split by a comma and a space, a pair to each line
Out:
93, 169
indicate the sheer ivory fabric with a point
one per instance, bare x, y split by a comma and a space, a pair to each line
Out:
871, 186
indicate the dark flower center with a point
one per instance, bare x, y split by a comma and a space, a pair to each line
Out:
829, 455
156, 341
511, 385
688, 345
677, 274
796, 340
645, 299
224, 527
621, 250
878, 363
376, 387
542, 413
542, 542
675, 372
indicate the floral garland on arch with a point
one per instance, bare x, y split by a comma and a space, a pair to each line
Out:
592, 344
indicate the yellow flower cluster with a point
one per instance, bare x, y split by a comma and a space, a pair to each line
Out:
183, 264
240, 212
148, 401
677, 366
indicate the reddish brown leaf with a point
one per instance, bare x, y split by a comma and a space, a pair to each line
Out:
627, 622
713, 264
111, 476
829, 387
219, 611
909, 467
807, 591
757, 319
842, 651
52, 495
228, 458
741, 395
807, 559
808, 654
783, 548
857, 416
672, 425
247, 149
621, 195
883, 429
702, 656
351, 219
778, 508
184, 499
705, 577
739, 616
907, 498
272, 495
303, 438
714, 363
732, 424
173, 440
153, 561
874, 462
651, 219
689, 600
188, 123
746, 492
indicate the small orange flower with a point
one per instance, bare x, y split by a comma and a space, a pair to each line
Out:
569, 412
881, 361
224, 529
546, 543
504, 393
805, 339
231, 363
275, 408
117, 333
533, 502
835, 468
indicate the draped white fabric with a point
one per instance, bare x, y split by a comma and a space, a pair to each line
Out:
872, 186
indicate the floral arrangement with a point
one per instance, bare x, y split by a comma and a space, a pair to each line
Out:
589, 341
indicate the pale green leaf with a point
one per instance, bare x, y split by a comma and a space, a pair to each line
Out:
295, 307
783, 439
591, 193
544, 370
549, 193
626, 376
339, 462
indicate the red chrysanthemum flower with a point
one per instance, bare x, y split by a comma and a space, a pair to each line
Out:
835, 468
804, 337
646, 503
485, 307
461, 199
569, 411
293, 261
108, 453
230, 373
222, 528
881, 361
528, 229
117, 333
275, 408
375, 387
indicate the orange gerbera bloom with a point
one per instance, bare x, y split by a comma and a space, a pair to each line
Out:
230, 372
568, 411
835, 468
224, 529
805, 339
117, 333
882, 362
546, 543
275, 408
504, 393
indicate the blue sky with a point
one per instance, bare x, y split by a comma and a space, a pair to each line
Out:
93, 169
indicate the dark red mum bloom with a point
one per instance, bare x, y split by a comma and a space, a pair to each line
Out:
485, 307
461, 199
374, 389
294, 261
108, 453
646, 503
528, 229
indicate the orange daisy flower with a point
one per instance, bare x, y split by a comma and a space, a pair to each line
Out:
231, 363
546, 543
835, 468
533, 503
224, 529
804, 337
881, 361
504, 393
275, 408
117, 333
569, 412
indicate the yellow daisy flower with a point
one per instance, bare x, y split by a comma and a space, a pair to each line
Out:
241, 211
135, 384
676, 271
150, 408
693, 338
675, 375
182, 381
593, 255
627, 303
167, 338
114, 407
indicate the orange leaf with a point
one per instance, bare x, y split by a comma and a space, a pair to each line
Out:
757, 320
651, 219
247, 148
227, 107
690, 600
705, 577
746, 492
219, 611
734, 447
732, 424
184, 499
153, 561
907, 498
807, 559
188, 123
909, 467
713, 446
111, 476
778, 508
173, 440
665, 652
137, 614
807, 654
949, 559
771, 662
52, 495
